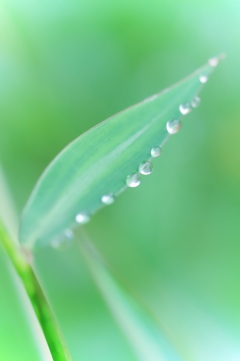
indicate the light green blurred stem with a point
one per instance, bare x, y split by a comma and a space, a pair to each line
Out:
147, 339
44, 314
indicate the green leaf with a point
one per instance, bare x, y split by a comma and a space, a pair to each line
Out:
20, 333
99, 161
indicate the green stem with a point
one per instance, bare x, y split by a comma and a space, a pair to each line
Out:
41, 307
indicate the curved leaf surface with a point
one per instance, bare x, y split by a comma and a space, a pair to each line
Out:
99, 161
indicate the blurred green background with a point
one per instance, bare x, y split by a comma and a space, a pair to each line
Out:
67, 65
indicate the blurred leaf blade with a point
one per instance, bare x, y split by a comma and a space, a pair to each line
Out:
98, 162
145, 337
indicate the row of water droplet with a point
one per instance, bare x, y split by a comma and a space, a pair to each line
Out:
173, 126
145, 168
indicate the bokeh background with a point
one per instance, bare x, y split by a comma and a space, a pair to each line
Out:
67, 65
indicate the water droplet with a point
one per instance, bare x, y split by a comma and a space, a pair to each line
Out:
133, 180
69, 234
185, 108
63, 241
213, 61
173, 126
195, 102
146, 168
82, 218
203, 79
108, 199
156, 151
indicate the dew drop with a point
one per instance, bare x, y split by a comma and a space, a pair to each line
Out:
133, 180
213, 61
185, 108
62, 241
82, 218
173, 126
156, 151
69, 234
195, 102
146, 168
203, 79
108, 199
